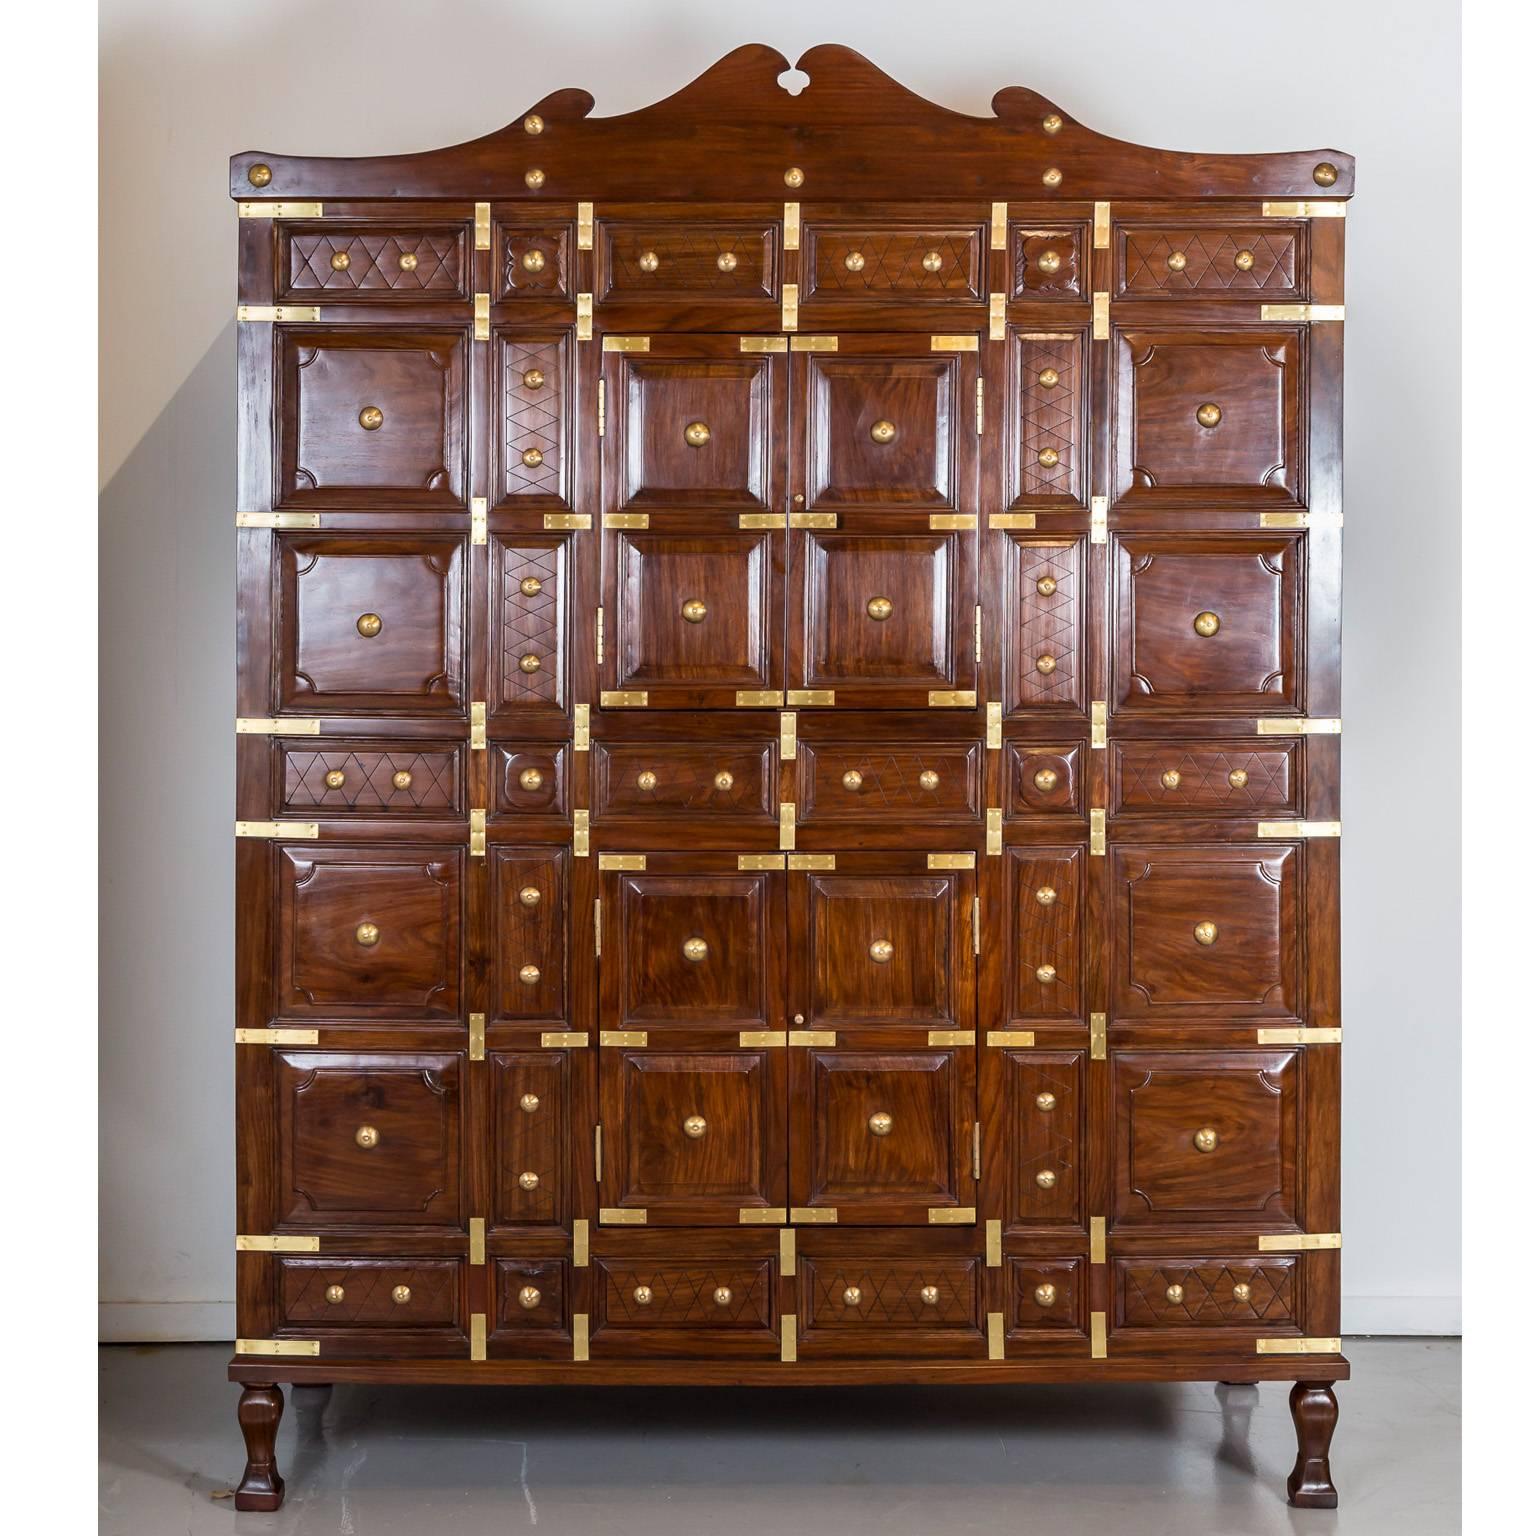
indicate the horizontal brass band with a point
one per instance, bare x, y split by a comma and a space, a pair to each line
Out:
952, 698
247, 725
1305, 210
952, 1216
1300, 1037
611, 698
1011, 520
748, 520
277, 519
813, 343
810, 698
812, 861
1321, 726
1298, 1346
280, 314
765, 1039
621, 861
953, 344
1007, 1037
1301, 519
564, 1039
762, 1215
282, 210
277, 1347
1300, 829
636, 1037
626, 519
567, 522
277, 1037
946, 522
621, 1216
284, 829
759, 698
813, 519
1307, 314
951, 1037
951, 861
817, 1037
759, 861
763, 343
287, 1243
1299, 1242
813, 1215
626, 343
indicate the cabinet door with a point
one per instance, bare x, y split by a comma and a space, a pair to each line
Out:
531, 1135
1042, 1131
530, 916
529, 597
1044, 627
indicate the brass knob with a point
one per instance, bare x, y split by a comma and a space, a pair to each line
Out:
367, 934
533, 261
533, 457
646, 780
853, 780
533, 378
932, 261
335, 779
1049, 458
722, 1295
724, 780
852, 1296
1052, 177
694, 1127
533, 179
1177, 261
928, 779
1046, 1179
1045, 586
529, 1297
1048, 378
1045, 1102
879, 609
1205, 933
854, 261
1171, 777
528, 1180
401, 778
367, 1137
335, 1295
1175, 1294
883, 431
799, 1019
1206, 624
1238, 778
649, 261
1206, 1139
1045, 974
1046, 780
694, 611
1046, 895
1209, 414
529, 975
1045, 665
530, 586
529, 663
1045, 1294
533, 124
530, 896
1241, 1291
794, 177
881, 951
929, 1295
369, 624
696, 434
643, 1295
1325, 174
726, 261
1049, 261
1243, 261
370, 418
400, 1295
1051, 123
259, 175
528, 1103
340, 261
408, 261
695, 949
880, 1123
531, 779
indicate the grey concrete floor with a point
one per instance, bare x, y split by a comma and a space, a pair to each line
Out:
1060, 1461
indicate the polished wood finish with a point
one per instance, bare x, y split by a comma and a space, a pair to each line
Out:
717, 584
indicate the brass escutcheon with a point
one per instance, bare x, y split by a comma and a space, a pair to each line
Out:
1205, 933
1046, 1179
1171, 778
643, 1295
1045, 586
1049, 261
853, 780
928, 779
533, 261
696, 434
1238, 778
400, 1295
530, 586
1046, 780
854, 261
1045, 1102
1175, 1294
1048, 378
1243, 261
533, 378
529, 975
1046, 895
533, 457
408, 261
852, 1296
879, 608
724, 780
929, 1295
1049, 458
1241, 1291
726, 261
1045, 973
794, 177
1209, 414
335, 1295
645, 780
528, 1103
528, 1180
530, 896
1045, 665
932, 261
1177, 261
722, 1295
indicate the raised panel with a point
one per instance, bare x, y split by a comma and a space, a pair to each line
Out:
333, 777
1209, 1293
889, 1305
529, 595
1050, 261
697, 260
1047, 458
1045, 900
534, 261
1041, 779
1046, 1301
368, 932
1199, 260
1223, 778
532, 460
531, 1309
370, 1293
931, 782
1045, 1138
399, 263
725, 782
1045, 612
530, 1114
530, 780
706, 1303
919, 261
529, 906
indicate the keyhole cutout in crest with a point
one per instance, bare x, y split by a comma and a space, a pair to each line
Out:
794, 81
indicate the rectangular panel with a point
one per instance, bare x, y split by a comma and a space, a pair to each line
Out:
727, 783
530, 779
529, 914
881, 261
410, 1307
334, 777
340, 261
533, 260
1049, 260
1043, 779
1047, 458
1212, 778
931, 782
532, 463
529, 592
1259, 260
531, 1317
1047, 1303
1241, 1293
883, 1305
1045, 611
1044, 895
1044, 1122
530, 1116
695, 260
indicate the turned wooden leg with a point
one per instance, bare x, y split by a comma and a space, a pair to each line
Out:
261, 1407
1315, 1411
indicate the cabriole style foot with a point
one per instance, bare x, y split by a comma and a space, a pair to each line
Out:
1315, 1411
262, 1487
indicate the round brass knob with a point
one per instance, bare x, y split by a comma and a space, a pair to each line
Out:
1241, 1291
533, 123
367, 934
529, 1297
530, 895
794, 177
646, 780
408, 261
694, 1127
928, 779
881, 951
724, 780
696, 434
370, 418
722, 1295
369, 624
1243, 261
1177, 261
1046, 1179
1045, 974
694, 611
528, 1180
533, 261
335, 779
400, 1295
932, 261
530, 586
880, 1123
1171, 778
1049, 458
929, 1295
529, 975
1045, 1102
340, 261
1205, 933
883, 431
1325, 174
1045, 665
528, 1103
1049, 261
533, 378
879, 609
1238, 778
1052, 177
259, 175
1209, 414
335, 1295
726, 261
529, 663
531, 779
695, 949
1206, 1139
1045, 585
1046, 895
1206, 624
533, 179
1175, 1294
401, 778
854, 261
1045, 1294
643, 1295
1046, 780
1051, 124
533, 457
853, 780
799, 1019
367, 1137
1048, 378
852, 1296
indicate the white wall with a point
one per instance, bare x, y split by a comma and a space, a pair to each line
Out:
185, 83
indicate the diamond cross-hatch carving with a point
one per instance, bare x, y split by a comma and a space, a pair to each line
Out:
1047, 624
530, 625
1210, 261
682, 1295
888, 1296
1204, 778
894, 261
370, 779
368, 1293
534, 417
373, 262
1208, 1294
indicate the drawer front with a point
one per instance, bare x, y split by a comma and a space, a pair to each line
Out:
705, 1306
1210, 261
368, 1140
531, 1319
1043, 780
1044, 649
1049, 375
362, 262
530, 1092
529, 904
1224, 778
940, 782
530, 780
735, 260
371, 1293
726, 782
1205, 1138
370, 623
529, 596
1045, 892
853, 261
1208, 1293
369, 932
1049, 260
1045, 1123
532, 464
534, 261
367, 414
875, 1306
358, 778
1046, 1299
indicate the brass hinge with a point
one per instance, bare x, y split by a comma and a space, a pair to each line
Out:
1011, 520
477, 1335
249, 726
626, 343
1101, 317
978, 637
637, 1038
477, 520
580, 1327
477, 1239
482, 317
761, 1216
999, 226
583, 226
994, 830
762, 1039
994, 1335
981, 408
583, 317
816, 1039
1300, 1242
1014, 1038
759, 861
1098, 1347
788, 746
563, 1039
760, 345
1313, 727
1096, 832
581, 1244
1298, 1346
951, 698
1306, 314
602, 407
282, 210
813, 519
621, 1216
787, 1338
597, 1154
1098, 520
753, 522
950, 522
477, 1037
280, 314
630, 861
1098, 722
277, 519
787, 825
1101, 226
583, 742
477, 726
597, 927
789, 317
581, 834
1301, 829
1305, 210
1098, 1036
759, 698
994, 1244
262, 1244
787, 1250
567, 522
975, 925
1300, 1037
598, 627
952, 1216
287, 829
611, 698
812, 344
997, 316
812, 861
975, 1147
810, 698
277, 1037
951, 1037
791, 226
276, 1347
994, 725
477, 834
813, 1215
956, 343
951, 861
482, 226
1301, 519
1098, 1247
626, 519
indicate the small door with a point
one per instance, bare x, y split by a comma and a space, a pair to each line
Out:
858, 261
891, 785
370, 623
1046, 1305
1043, 1138
530, 1309
337, 777
531, 1131
339, 261
1043, 891
530, 596
1043, 778
531, 779
533, 464
530, 913
1049, 260
368, 1140
1220, 259
367, 1307
715, 789
1048, 425
1205, 1294
1207, 624
1044, 623
1206, 778
706, 257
